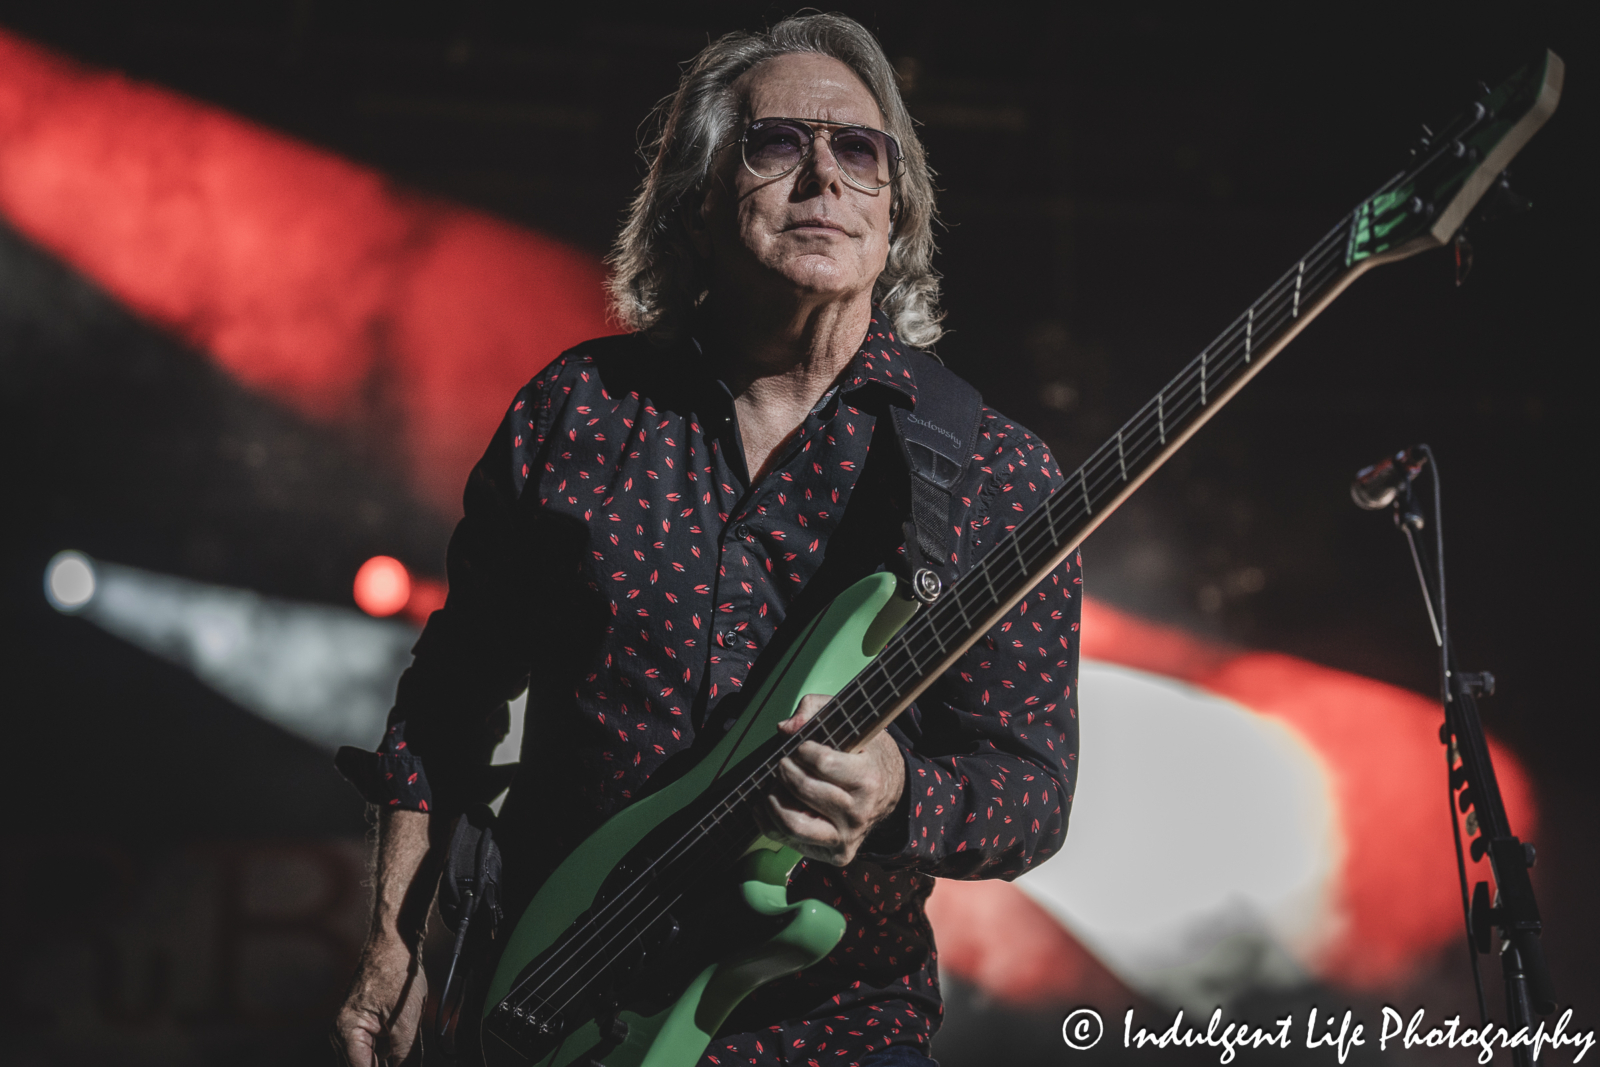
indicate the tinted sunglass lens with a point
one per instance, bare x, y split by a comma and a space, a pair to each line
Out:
773, 149
864, 156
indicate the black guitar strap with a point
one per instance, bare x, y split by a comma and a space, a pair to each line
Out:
938, 440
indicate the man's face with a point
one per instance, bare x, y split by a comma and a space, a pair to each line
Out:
810, 232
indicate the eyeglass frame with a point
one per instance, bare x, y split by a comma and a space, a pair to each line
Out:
897, 168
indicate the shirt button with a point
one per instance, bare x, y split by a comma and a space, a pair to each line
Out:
731, 639
742, 532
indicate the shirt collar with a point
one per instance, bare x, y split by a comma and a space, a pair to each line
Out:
881, 360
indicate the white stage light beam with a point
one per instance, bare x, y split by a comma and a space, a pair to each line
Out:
322, 672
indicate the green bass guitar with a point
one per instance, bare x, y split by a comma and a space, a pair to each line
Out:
637, 948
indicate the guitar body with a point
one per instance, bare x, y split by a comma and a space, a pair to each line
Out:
732, 932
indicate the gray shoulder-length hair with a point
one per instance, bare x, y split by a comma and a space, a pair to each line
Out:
657, 278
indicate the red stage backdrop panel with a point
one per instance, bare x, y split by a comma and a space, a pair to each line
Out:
310, 278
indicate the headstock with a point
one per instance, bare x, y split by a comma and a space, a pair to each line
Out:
1425, 206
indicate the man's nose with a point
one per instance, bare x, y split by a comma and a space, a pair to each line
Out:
820, 168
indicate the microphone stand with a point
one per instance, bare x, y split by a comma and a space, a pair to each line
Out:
1474, 790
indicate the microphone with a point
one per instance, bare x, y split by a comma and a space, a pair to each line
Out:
1376, 486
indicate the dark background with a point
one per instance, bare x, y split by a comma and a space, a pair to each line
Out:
1118, 183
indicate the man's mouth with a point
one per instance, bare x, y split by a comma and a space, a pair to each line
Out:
815, 224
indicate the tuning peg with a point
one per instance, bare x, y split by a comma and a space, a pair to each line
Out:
1465, 800
1481, 108
1480, 845
1500, 202
1513, 202
1458, 778
1479, 683
1424, 141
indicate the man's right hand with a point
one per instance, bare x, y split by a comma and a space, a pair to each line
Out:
377, 1027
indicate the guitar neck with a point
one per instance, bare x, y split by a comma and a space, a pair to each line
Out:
1421, 207
934, 640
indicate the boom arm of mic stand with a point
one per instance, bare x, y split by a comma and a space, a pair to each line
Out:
1517, 912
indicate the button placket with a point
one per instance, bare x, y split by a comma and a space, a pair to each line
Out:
730, 649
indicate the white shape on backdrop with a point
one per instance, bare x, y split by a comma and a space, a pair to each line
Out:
1203, 847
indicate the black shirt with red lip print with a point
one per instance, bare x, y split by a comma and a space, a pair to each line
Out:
615, 553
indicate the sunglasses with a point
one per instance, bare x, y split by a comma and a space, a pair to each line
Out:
869, 159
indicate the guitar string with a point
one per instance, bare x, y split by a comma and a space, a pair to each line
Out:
1319, 275
740, 793
664, 906
826, 724
1226, 339
823, 721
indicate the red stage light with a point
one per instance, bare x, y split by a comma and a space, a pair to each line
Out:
382, 586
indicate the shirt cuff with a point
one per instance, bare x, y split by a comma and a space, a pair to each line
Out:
391, 777
890, 842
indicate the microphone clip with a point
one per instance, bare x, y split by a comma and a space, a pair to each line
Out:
1378, 486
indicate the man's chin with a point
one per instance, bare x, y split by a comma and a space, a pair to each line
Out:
822, 275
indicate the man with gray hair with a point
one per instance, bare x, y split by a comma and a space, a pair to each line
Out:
656, 505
